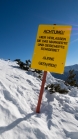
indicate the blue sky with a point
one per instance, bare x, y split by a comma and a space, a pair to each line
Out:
19, 20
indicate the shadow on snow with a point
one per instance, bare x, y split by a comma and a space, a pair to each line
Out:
15, 123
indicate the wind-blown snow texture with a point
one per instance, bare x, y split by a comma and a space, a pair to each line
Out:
19, 91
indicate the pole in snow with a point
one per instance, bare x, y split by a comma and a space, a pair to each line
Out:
41, 92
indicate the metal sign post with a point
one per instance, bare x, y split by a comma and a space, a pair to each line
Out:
41, 92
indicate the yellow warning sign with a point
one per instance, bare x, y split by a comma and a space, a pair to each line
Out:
51, 48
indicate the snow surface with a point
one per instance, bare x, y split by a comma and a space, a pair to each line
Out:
19, 91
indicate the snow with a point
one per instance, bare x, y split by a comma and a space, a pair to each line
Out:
75, 67
19, 91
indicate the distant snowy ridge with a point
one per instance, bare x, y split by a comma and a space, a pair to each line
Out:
66, 72
75, 67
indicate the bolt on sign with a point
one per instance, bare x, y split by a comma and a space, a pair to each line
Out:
51, 48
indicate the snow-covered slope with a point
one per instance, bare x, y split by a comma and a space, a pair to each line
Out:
19, 91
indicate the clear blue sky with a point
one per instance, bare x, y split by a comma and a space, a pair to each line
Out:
19, 20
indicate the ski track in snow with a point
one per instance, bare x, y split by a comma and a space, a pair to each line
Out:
19, 91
